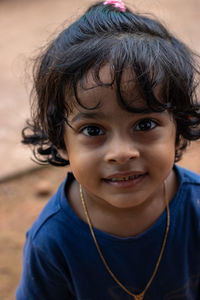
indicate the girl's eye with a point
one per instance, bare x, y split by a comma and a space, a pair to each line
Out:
145, 124
92, 131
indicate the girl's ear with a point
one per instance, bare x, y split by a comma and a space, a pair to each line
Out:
63, 154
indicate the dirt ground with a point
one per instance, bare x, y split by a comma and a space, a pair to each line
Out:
21, 200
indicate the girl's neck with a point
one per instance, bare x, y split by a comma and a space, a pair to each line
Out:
132, 221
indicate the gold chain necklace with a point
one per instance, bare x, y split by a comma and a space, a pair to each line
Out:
141, 295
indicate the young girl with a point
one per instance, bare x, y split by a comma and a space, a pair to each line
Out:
115, 98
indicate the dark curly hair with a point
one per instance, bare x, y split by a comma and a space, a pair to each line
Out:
105, 35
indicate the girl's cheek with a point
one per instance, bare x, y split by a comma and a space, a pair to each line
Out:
89, 142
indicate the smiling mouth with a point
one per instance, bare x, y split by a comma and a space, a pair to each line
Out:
125, 181
124, 178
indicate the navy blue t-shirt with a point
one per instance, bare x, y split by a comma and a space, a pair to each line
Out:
61, 261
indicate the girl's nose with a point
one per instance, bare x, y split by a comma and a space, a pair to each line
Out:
121, 151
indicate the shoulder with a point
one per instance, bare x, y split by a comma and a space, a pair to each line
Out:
187, 176
188, 196
189, 186
47, 251
189, 182
54, 221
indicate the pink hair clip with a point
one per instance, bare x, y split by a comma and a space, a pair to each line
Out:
116, 3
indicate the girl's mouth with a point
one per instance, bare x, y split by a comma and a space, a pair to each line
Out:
125, 181
124, 178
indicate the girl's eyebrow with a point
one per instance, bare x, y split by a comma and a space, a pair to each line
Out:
88, 115
100, 115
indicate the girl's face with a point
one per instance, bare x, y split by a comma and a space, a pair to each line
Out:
120, 158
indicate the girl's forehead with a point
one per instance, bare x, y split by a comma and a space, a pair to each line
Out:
94, 89
106, 75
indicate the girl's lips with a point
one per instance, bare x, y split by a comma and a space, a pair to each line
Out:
125, 180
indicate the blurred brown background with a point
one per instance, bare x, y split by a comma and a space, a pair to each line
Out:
25, 26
